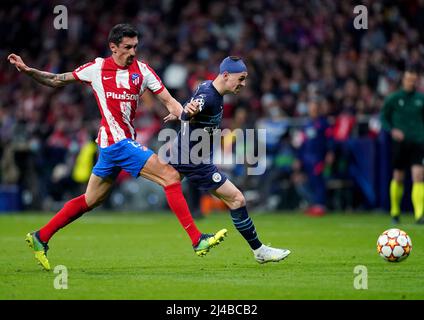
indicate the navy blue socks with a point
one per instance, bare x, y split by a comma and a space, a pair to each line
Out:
245, 226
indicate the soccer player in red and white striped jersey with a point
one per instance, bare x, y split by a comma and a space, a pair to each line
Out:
117, 90
117, 82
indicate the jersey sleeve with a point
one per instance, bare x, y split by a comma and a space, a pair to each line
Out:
153, 82
86, 72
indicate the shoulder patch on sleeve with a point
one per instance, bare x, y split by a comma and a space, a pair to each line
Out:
200, 99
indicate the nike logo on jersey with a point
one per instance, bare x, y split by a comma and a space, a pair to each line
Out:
107, 78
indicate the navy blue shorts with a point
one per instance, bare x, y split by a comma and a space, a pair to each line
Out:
205, 177
126, 155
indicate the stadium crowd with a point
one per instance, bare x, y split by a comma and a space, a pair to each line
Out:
305, 61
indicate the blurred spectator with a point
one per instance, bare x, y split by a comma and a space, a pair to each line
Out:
279, 186
316, 156
84, 163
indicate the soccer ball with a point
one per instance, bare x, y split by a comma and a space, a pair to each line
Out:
394, 245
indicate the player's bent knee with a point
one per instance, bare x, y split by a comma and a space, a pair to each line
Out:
238, 200
171, 176
93, 202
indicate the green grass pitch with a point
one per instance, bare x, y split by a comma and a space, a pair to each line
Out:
149, 256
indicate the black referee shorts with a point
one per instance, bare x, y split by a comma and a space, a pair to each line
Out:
405, 154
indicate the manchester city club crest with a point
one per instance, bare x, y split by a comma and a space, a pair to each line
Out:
135, 78
216, 177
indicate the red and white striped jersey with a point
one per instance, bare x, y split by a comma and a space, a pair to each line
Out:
117, 90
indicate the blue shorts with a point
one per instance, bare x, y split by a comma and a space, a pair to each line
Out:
126, 155
205, 177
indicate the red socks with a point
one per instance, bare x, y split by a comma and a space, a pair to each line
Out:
178, 204
71, 211
76, 207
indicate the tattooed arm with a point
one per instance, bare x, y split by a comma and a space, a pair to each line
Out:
51, 79
46, 78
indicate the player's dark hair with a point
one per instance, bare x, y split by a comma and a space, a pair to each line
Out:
120, 31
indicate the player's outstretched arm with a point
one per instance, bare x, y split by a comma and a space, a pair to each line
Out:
46, 78
174, 107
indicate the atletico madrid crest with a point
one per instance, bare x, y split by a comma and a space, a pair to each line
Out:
135, 78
